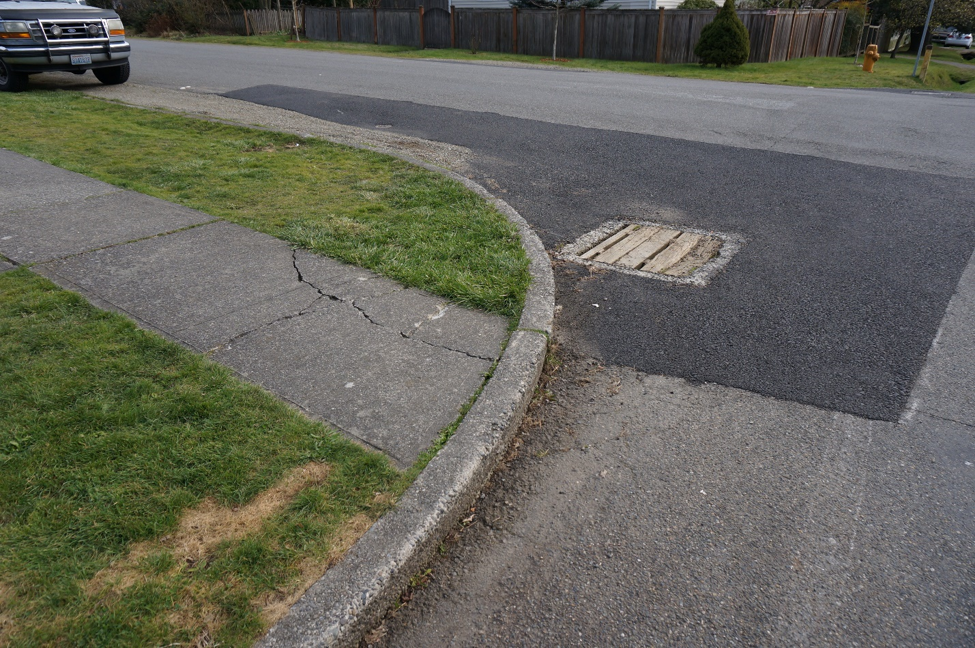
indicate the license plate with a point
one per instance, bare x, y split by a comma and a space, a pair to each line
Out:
81, 59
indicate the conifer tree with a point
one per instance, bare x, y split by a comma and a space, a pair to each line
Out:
725, 40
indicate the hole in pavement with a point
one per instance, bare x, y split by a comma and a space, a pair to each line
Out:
655, 250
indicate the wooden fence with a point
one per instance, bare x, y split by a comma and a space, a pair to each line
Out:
662, 36
259, 21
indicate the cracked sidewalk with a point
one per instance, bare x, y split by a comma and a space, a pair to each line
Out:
387, 365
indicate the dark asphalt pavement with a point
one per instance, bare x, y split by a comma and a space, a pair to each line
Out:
833, 300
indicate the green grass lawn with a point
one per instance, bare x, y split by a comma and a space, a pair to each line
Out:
115, 444
147, 497
832, 72
368, 209
941, 53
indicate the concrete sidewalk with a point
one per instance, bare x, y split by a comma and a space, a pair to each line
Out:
388, 366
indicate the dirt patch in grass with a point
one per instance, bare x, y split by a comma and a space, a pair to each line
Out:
149, 498
207, 525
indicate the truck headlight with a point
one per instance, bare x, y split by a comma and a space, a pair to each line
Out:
115, 27
13, 29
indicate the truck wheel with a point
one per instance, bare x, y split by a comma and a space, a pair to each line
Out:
113, 75
11, 81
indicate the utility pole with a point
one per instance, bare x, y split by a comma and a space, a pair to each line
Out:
924, 38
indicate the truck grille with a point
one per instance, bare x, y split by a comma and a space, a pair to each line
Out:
73, 31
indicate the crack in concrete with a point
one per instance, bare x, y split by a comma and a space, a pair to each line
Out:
283, 318
364, 314
336, 298
446, 348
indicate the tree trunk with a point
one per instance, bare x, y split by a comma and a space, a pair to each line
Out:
900, 43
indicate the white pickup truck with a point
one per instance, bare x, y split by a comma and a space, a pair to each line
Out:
60, 35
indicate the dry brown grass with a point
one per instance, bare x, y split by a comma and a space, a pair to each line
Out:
208, 525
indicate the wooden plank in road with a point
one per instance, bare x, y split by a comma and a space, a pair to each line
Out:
624, 247
648, 248
674, 253
612, 240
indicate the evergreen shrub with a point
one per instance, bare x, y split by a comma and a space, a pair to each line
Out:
725, 40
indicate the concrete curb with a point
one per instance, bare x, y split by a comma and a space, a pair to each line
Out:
354, 594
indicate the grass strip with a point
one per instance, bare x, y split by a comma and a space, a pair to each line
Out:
819, 72
147, 497
361, 207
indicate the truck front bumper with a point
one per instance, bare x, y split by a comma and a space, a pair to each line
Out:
33, 59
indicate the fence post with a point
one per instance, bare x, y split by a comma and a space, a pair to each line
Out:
514, 29
582, 33
771, 44
792, 34
423, 40
453, 28
375, 26
660, 35
247, 25
338, 24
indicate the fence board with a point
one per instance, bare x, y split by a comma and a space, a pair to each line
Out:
436, 28
398, 27
759, 26
783, 35
683, 30
357, 25
489, 29
536, 29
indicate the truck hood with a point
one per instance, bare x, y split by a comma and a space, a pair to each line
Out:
32, 10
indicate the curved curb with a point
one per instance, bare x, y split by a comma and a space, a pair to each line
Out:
354, 594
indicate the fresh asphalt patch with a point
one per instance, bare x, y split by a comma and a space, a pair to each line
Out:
833, 300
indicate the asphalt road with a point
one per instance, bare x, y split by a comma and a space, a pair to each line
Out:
920, 131
833, 300
782, 457
851, 253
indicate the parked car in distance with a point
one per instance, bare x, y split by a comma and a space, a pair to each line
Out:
959, 40
941, 33
60, 35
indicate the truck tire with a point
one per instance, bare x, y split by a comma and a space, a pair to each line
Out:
113, 75
11, 81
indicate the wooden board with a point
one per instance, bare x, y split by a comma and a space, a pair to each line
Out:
648, 248
674, 253
609, 242
613, 254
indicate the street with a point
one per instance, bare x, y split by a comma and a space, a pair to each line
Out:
782, 457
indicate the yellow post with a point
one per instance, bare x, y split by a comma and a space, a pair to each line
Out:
924, 64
